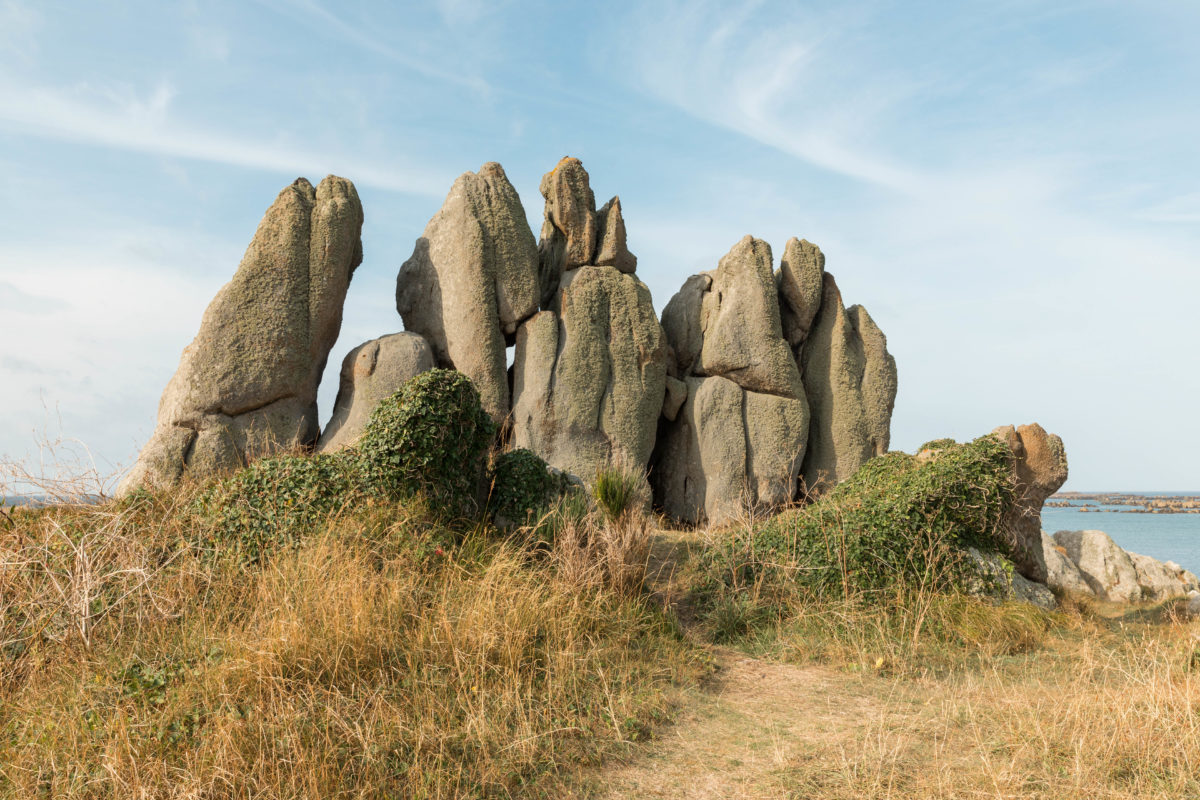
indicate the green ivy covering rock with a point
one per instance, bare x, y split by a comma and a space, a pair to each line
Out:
429, 439
899, 519
523, 487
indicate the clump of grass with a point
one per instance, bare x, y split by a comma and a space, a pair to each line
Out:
617, 491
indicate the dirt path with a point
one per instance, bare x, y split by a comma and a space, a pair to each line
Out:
743, 735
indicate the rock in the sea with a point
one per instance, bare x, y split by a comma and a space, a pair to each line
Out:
612, 250
589, 376
247, 384
1061, 573
850, 382
728, 451
472, 280
1108, 569
739, 316
799, 280
1040, 469
372, 372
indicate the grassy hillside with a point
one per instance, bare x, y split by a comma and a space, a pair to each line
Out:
356, 627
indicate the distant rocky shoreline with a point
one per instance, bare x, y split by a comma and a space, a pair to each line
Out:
1086, 502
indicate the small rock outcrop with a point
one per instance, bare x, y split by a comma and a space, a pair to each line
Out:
247, 384
370, 373
472, 280
1039, 470
850, 380
589, 375
574, 233
1106, 568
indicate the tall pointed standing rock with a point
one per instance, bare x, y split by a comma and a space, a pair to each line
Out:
247, 384
850, 379
471, 280
799, 280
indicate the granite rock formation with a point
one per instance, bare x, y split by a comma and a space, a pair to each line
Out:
370, 373
850, 380
247, 384
1098, 567
472, 280
1039, 470
752, 418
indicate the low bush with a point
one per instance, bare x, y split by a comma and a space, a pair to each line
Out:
523, 487
899, 520
430, 438
274, 501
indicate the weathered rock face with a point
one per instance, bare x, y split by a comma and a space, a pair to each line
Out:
1161, 580
1105, 567
1040, 469
728, 451
471, 280
799, 279
850, 381
589, 376
574, 234
1061, 573
612, 250
247, 384
681, 323
739, 438
739, 315
370, 373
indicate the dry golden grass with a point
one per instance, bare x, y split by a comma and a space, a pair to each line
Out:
385, 657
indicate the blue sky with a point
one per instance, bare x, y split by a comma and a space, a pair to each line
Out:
1010, 187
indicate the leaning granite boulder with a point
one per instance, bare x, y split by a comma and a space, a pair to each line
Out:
1039, 470
1061, 573
739, 315
589, 375
1108, 569
681, 321
850, 381
370, 373
247, 384
472, 280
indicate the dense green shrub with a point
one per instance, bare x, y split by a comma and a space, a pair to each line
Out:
523, 487
898, 520
274, 501
429, 438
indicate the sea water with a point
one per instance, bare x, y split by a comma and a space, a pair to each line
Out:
1167, 537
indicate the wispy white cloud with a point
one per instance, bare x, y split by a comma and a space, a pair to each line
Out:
314, 15
116, 116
